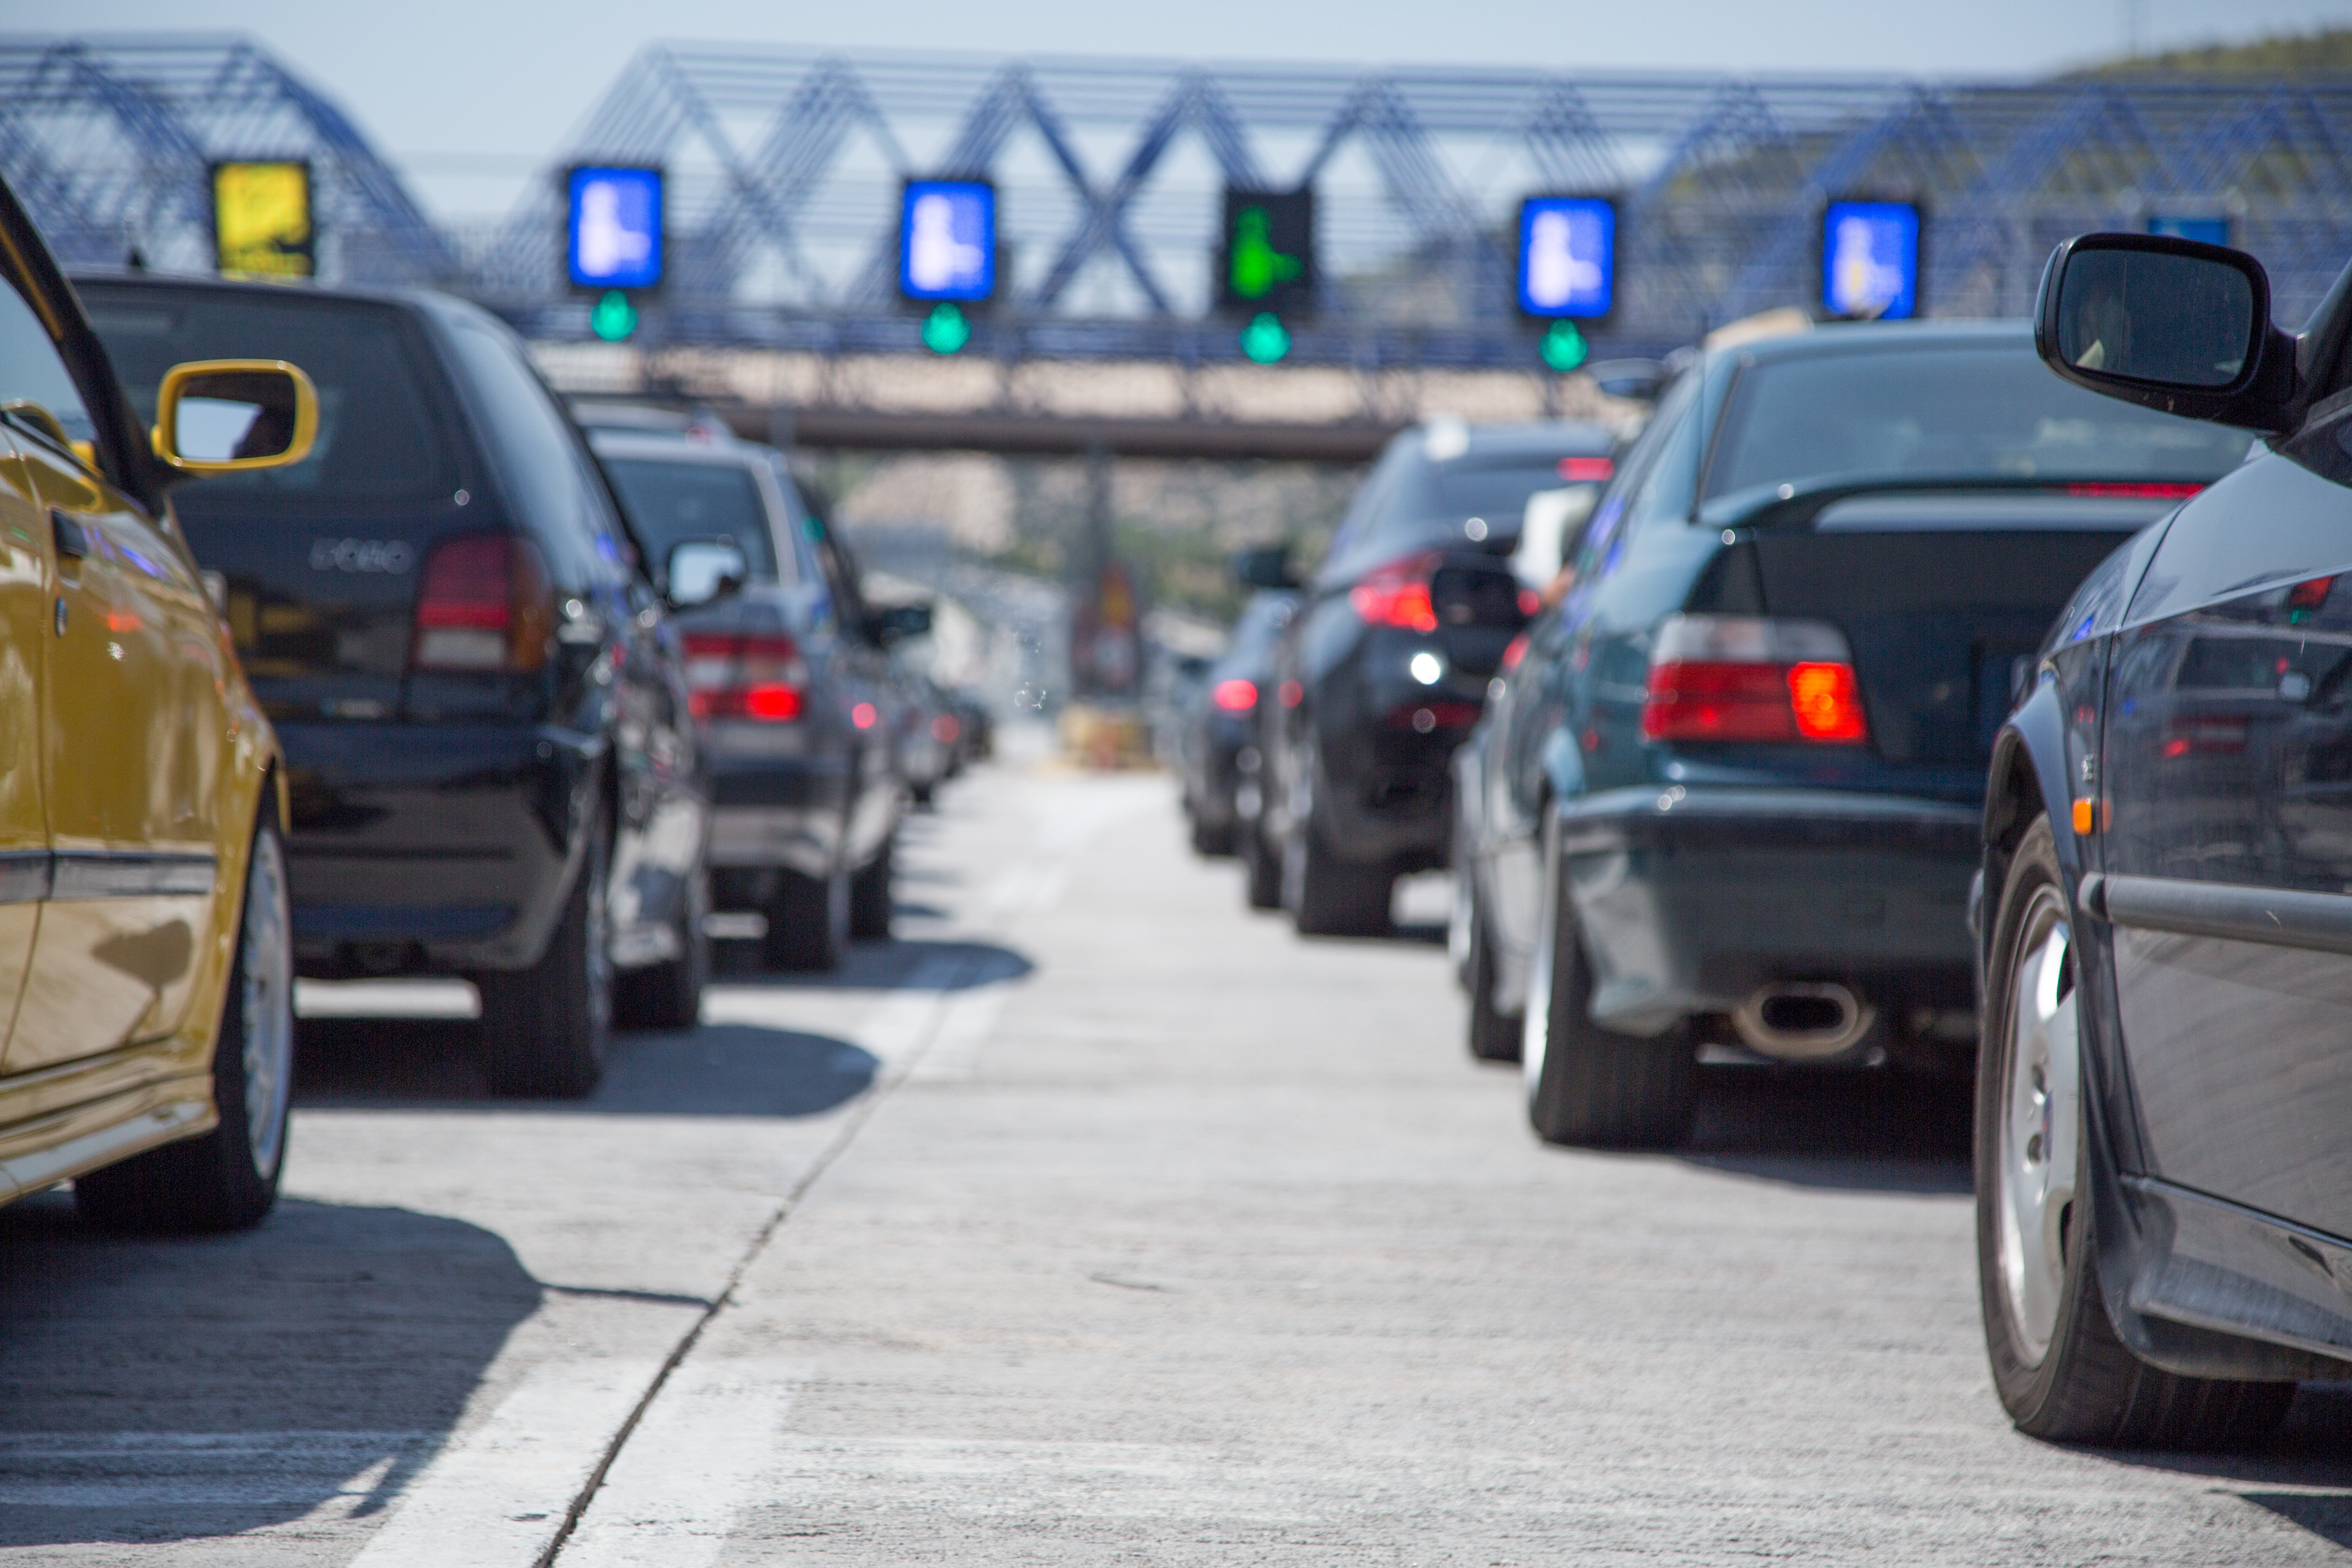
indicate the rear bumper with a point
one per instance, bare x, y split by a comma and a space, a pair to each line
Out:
1690, 898
780, 814
445, 847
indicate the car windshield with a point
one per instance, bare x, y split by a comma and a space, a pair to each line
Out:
379, 439
671, 503
1992, 412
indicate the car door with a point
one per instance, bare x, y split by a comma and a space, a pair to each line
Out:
2227, 777
131, 705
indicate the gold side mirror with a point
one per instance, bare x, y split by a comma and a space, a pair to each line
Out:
228, 415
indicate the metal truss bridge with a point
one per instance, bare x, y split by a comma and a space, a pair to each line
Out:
785, 167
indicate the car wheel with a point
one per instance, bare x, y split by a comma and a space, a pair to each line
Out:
227, 1179
546, 1028
922, 792
668, 994
1586, 1084
1210, 842
1261, 870
808, 922
2059, 1368
870, 896
1495, 1036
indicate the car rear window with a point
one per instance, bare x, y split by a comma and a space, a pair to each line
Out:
1993, 412
1466, 488
671, 503
380, 434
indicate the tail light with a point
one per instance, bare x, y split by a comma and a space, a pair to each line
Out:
945, 730
758, 677
483, 603
2135, 490
1236, 696
1737, 678
1397, 594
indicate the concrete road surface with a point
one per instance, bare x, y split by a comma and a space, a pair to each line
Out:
1095, 1221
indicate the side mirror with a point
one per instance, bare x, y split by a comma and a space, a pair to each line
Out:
1264, 566
227, 415
2168, 323
1639, 379
1480, 596
901, 623
701, 570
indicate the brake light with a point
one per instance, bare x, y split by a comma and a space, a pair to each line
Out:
1738, 678
944, 729
1514, 651
2135, 491
1586, 470
483, 603
1397, 594
1236, 696
743, 676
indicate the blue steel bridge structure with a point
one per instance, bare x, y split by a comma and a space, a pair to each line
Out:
785, 166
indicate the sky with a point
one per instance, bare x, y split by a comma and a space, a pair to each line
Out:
469, 98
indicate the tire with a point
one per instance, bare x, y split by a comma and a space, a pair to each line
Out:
870, 896
1493, 1036
1332, 897
1587, 1085
922, 792
1211, 843
808, 922
1261, 870
227, 1179
546, 1029
2062, 1372
668, 994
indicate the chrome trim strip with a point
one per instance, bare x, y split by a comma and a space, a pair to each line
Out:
107, 874
2318, 922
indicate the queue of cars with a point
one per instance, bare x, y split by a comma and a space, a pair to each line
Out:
1906, 705
416, 682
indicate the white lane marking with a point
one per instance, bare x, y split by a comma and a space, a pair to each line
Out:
494, 1497
671, 1497
955, 1052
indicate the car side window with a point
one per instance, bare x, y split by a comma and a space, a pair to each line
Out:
561, 502
32, 371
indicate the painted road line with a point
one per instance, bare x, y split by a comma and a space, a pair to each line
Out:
671, 1497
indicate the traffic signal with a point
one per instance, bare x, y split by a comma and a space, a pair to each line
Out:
612, 318
1568, 257
946, 328
261, 220
1870, 259
1266, 261
613, 228
947, 243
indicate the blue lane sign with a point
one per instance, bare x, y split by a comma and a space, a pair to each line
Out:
947, 240
1568, 256
1870, 259
613, 229
2209, 230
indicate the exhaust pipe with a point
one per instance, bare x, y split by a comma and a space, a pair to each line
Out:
1802, 1023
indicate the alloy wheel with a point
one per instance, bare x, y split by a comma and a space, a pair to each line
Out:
2041, 1116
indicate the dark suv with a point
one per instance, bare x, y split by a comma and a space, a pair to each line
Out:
1383, 668
484, 714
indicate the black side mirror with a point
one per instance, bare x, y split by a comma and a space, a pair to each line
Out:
1479, 597
1639, 379
1264, 566
701, 570
901, 623
2168, 323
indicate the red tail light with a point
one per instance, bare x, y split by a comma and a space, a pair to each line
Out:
1736, 677
1236, 696
945, 730
483, 603
1586, 470
2136, 490
1397, 594
738, 675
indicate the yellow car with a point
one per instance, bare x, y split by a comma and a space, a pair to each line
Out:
146, 973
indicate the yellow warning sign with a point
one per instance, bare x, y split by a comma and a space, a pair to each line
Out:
261, 220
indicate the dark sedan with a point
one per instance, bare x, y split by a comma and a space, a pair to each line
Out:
490, 763
2164, 1173
1729, 795
1383, 669
1216, 748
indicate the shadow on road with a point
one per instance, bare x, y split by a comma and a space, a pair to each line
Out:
174, 1389
1875, 1131
905, 963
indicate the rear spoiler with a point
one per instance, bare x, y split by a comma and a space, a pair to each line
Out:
1797, 506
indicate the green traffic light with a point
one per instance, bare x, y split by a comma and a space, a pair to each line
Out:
1265, 339
1257, 266
614, 318
945, 329
1564, 347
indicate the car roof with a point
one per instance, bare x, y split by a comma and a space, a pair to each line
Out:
276, 289
678, 447
1838, 339
1534, 438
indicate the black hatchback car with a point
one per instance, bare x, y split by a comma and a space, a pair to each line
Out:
492, 769
1383, 667
1215, 747
2163, 1100
1729, 795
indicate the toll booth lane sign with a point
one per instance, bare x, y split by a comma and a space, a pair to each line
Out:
613, 228
946, 241
261, 220
1265, 253
1870, 259
1568, 257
